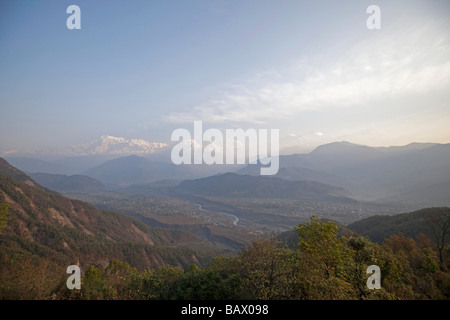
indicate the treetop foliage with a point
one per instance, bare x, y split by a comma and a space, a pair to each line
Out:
324, 265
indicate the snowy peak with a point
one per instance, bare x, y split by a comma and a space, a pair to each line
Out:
110, 145
106, 145
112, 139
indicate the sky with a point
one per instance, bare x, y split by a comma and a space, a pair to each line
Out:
141, 69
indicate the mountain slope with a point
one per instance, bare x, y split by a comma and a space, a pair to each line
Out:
50, 226
10, 171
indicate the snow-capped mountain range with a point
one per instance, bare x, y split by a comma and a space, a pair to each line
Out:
106, 145
109, 145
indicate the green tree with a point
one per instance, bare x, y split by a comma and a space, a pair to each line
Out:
164, 278
93, 284
364, 254
438, 223
396, 273
145, 285
322, 262
24, 276
420, 267
267, 270
206, 285
118, 276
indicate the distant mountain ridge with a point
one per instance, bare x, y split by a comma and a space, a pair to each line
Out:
417, 173
134, 170
373, 173
246, 186
64, 183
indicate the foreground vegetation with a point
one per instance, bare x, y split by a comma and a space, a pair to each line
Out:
323, 265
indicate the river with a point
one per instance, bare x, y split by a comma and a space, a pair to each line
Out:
232, 216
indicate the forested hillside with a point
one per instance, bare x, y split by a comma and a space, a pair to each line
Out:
44, 232
324, 265
426, 221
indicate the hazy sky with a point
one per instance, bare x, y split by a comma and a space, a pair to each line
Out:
140, 69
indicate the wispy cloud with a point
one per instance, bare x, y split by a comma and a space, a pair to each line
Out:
383, 66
